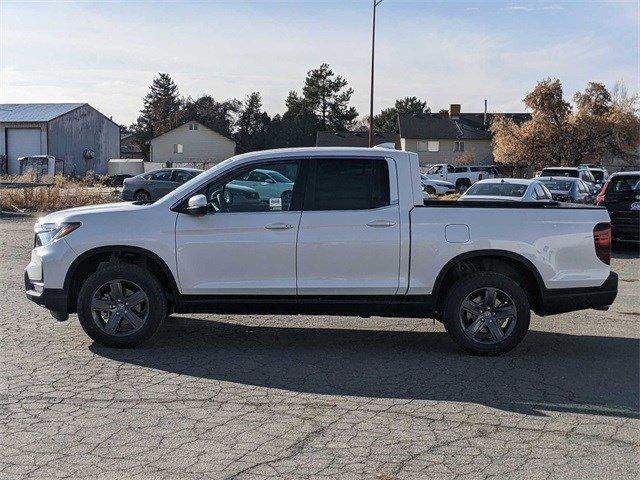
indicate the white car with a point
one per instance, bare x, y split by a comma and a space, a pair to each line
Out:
356, 239
436, 187
508, 190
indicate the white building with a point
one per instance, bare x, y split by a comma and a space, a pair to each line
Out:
191, 143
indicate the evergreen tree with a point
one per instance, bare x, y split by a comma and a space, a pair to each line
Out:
326, 94
160, 111
252, 124
218, 116
387, 119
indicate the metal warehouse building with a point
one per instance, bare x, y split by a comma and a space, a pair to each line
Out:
76, 133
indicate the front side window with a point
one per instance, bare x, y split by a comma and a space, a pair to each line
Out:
246, 190
350, 184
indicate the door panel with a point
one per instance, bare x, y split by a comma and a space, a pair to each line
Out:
250, 253
248, 246
354, 252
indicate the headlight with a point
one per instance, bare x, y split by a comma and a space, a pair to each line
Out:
47, 233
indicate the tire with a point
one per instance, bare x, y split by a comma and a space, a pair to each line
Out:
149, 313
462, 185
142, 196
486, 340
430, 190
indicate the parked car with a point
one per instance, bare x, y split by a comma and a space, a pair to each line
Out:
436, 187
508, 190
357, 239
150, 186
269, 184
568, 189
462, 176
574, 172
621, 197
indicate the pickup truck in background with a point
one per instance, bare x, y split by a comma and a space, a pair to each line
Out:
356, 238
462, 176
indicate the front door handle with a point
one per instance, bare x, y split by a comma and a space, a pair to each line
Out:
380, 223
278, 226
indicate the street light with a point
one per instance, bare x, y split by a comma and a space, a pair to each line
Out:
373, 51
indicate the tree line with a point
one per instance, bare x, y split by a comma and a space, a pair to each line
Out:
323, 104
598, 124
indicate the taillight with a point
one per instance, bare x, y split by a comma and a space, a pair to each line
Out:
602, 194
602, 241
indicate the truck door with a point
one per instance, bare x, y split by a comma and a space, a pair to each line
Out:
349, 236
246, 245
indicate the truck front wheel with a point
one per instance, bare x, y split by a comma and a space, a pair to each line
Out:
486, 313
121, 305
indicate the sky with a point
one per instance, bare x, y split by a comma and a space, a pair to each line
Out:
106, 53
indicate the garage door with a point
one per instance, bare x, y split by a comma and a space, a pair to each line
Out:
21, 142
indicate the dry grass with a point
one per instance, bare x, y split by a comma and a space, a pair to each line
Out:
65, 193
451, 196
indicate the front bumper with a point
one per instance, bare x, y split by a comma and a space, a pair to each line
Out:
126, 194
51, 298
560, 300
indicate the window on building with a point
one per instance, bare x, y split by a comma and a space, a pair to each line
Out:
193, 126
428, 146
177, 148
458, 146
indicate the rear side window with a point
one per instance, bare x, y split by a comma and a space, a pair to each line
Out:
350, 184
164, 175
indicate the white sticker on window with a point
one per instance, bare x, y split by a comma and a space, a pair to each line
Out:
275, 203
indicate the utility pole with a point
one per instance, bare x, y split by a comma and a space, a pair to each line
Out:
373, 52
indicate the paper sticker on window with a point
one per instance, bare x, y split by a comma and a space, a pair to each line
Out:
275, 203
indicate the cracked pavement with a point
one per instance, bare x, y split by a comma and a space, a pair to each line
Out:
221, 396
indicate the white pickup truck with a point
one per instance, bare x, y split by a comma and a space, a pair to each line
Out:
462, 176
355, 238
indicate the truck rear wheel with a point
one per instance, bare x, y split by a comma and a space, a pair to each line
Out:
121, 305
486, 313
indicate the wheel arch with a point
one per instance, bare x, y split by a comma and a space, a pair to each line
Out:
492, 260
88, 262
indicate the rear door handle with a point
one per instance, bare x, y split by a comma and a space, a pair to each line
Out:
380, 223
278, 226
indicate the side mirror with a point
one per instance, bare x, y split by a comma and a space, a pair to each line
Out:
198, 205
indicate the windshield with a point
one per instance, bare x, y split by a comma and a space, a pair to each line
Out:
557, 185
502, 189
560, 172
434, 170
